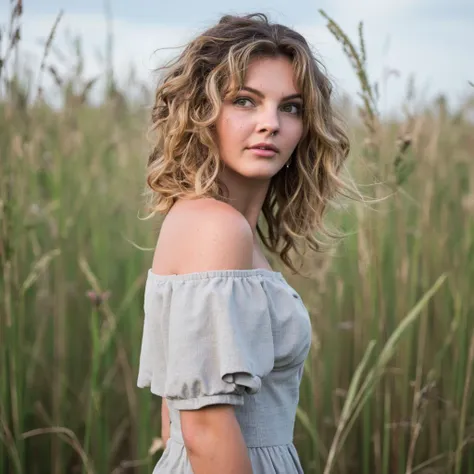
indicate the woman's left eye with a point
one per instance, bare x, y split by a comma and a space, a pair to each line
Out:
296, 106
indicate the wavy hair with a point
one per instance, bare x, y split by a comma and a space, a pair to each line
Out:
184, 161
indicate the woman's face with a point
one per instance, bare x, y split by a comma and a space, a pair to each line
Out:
253, 115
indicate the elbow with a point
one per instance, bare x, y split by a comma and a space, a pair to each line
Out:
195, 438
200, 439
203, 426
195, 428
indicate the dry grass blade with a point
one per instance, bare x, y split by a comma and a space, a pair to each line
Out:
47, 48
13, 33
108, 334
362, 43
303, 418
39, 267
355, 382
69, 437
107, 330
7, 440
125, 465
358, 63
390, 346
389, 349
354, 402
465, 398
348, 407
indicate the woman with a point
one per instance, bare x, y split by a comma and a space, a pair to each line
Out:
243, 123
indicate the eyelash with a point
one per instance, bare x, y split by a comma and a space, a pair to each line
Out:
296, 104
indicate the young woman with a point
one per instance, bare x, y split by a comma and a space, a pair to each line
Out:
243, 125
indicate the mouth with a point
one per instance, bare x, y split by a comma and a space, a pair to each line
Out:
265, 146
265, 149
263, 152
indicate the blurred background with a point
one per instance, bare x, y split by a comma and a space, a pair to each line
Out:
388, 385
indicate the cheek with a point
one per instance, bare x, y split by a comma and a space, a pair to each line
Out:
230, 129
296, 132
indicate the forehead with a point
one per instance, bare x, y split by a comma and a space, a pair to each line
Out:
272, 76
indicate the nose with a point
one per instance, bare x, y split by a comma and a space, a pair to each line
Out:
268, 120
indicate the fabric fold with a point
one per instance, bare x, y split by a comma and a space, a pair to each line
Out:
214, 335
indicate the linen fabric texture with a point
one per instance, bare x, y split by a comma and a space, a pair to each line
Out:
237, 337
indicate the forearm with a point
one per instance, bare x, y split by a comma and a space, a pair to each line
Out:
213, 452
165, 421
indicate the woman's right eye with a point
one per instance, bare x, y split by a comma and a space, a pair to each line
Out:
240, 99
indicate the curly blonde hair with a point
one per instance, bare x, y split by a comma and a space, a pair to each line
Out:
184, 162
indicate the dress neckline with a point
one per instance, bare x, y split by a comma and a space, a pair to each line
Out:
229, 273
259, 273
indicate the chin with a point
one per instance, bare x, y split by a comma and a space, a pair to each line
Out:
261, 172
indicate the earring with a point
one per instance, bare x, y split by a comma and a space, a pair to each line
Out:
288, 163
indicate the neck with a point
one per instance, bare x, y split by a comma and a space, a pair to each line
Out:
246, 195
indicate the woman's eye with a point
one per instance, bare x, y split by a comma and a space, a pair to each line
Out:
241, 99
297, 108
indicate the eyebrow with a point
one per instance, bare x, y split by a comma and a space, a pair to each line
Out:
260, 94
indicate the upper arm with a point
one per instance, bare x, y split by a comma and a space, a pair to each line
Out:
204, 235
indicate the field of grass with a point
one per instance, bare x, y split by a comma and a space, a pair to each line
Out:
388, 385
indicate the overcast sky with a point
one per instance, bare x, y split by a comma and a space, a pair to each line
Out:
431, 39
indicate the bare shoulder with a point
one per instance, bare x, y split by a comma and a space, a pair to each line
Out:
203, 235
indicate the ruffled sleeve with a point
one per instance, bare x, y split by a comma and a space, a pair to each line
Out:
207, 337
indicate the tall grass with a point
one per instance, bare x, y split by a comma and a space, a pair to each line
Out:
388, 384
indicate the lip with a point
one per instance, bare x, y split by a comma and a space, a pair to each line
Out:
260, 152
271, 146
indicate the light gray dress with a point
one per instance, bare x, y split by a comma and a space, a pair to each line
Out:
238, 337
